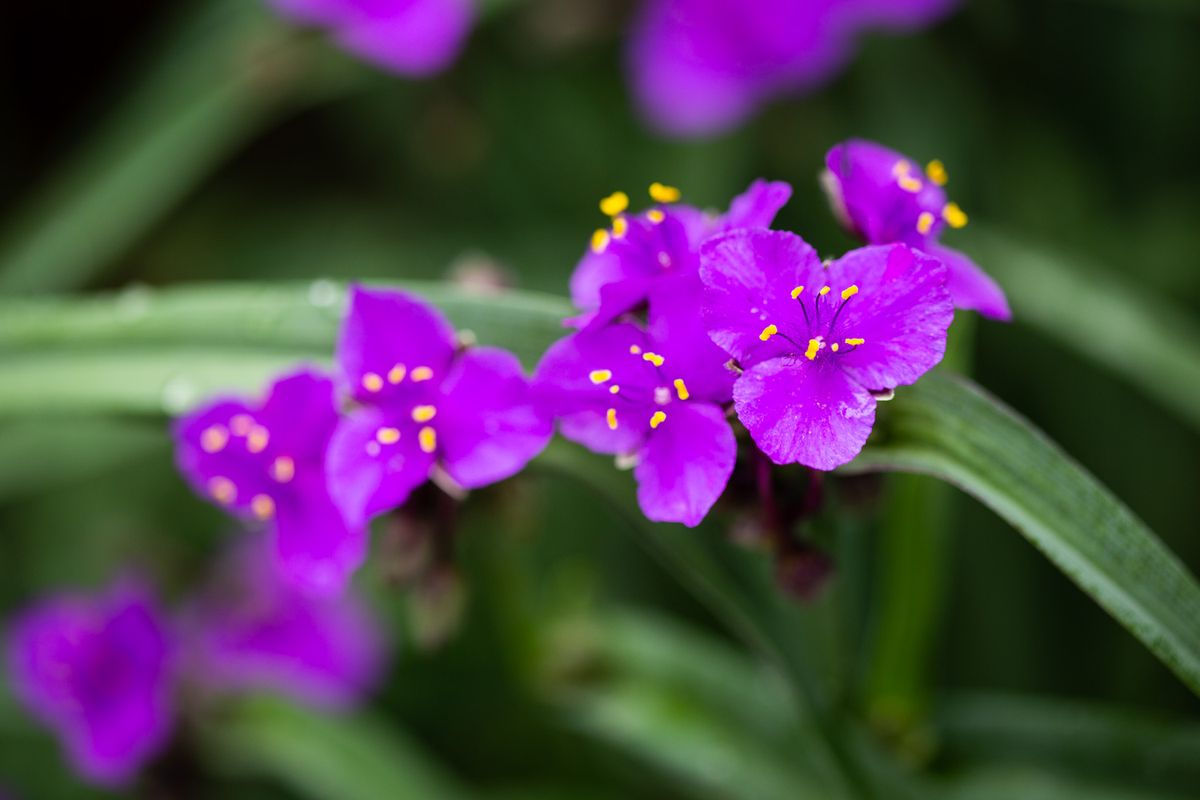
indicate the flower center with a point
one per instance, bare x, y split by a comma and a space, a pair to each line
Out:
820, 333
661, 394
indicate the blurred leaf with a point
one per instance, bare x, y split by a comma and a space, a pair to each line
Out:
1006, 783
324, 757
946, 427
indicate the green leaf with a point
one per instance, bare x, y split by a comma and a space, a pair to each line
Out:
946, 427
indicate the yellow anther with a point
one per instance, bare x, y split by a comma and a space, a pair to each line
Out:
656, 419
681, 389
909, 184
954, 216
600, 240
283, 469
661, 193
655, 215
901, 168
262, 506
855, 342
421, 374
634, 350
427, 439
423, 413
241, 424
614, 204
614, 389
936, 171
257, 441
396, 374
813, 346
768, 332
214, 438
653, 358
599, 376
387, 435
834, 347
849, 291
824, 291
222, 490
611, 417
620, 227
925, 223
799, 290
372, 382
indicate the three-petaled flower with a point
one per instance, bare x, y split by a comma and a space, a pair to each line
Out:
817, 342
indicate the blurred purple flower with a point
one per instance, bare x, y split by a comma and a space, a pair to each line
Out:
410, 37
655, 396
626, 261
266, 462
96, 670
884, 197
815, 342
421, 402
252, 630
702, 66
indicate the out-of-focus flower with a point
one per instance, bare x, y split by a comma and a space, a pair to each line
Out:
654, 396
251, 629
884, 197
422, 403
626, 261
97, 671
702, 66
815, 342
410, 37
266, 462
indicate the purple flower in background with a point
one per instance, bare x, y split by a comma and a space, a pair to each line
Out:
410, 37
96, 670
423, 403
252, 630
816, 342
884, 197
625, 262
266, 462
655, 395
702, 66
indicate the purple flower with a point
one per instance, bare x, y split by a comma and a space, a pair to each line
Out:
625, 262
422, 403
655, 395
252, 630
816, 342
411, 37
884, 197
702, 66
266, 462
96, 670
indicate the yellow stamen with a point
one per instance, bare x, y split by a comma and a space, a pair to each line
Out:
421, 374
655, 215
614, 204
599, 241
849, 291
599, 376
813, 347
387, 435
614, 389
954, 216
241, 424
262, 506
283, 469
257, 441
661, 193
423, 413
834, 347
768, 332
396, 374
611, 417
634, 350
797, 292
214, 438
909, 184
658, 418
681, 389
620, 227
653, 358
936, 171
855, 342
901, 168
427, 439
372, 382
824, 291
222, 490
925, 223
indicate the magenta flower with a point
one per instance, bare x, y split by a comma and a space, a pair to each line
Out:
625, 262
883, 197
652, 395
422, 403
815, 342
96, 670
410, 37
703, 66
266, 462
252, 630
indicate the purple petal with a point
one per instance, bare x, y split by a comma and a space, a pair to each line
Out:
490, 426
757, 206
300, 413
866, 193
807, 412
677, 329
411, 37
970, 286
902, 311
317, 546
370, 476
892, 15
685, 463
